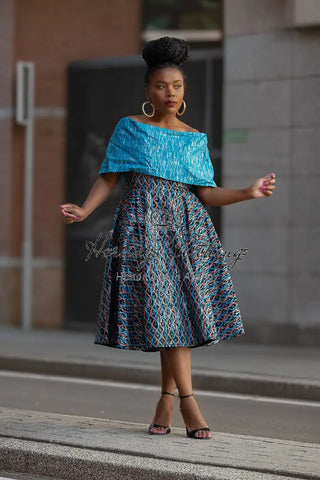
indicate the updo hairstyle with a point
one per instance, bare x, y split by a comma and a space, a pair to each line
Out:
165, 52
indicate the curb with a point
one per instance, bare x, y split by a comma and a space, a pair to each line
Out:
71, 463
280, 387
74, 447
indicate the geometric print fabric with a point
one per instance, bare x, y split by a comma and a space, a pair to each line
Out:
166, 282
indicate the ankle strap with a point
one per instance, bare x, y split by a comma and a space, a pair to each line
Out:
168, 393
185, 396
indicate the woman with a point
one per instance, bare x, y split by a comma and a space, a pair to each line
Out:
165, 292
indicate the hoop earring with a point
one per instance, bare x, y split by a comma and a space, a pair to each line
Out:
147, 114
184, 108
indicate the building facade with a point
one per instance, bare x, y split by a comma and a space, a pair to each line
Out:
271, 119
271, 124
51, 34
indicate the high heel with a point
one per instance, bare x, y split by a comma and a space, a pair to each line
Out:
154, 425
192, 433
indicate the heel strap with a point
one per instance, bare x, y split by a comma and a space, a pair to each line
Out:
168, 393
186, 396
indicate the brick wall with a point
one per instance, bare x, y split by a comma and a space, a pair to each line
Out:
51, 34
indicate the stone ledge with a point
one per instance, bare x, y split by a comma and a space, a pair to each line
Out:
75, 447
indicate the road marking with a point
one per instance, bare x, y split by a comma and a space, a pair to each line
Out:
154, 388
29, 477
8, 478
25, 476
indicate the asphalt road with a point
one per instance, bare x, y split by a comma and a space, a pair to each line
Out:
224, 412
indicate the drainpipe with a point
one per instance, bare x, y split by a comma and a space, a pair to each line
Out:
25, 117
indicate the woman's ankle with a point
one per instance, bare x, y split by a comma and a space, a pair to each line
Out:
189, 409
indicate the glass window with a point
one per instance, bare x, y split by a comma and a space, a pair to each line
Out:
182, 15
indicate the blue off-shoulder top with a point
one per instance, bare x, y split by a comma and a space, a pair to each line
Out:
174, 155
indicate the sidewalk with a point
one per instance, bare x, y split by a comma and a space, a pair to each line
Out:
65, 447
76, 448
230, 366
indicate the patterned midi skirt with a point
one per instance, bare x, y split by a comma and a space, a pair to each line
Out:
166, 282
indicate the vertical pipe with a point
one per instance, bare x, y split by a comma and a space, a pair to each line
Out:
209, 97
26, 106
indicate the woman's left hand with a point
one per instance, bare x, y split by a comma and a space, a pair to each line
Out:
264, 186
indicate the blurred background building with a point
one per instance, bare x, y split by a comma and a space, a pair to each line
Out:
270, 114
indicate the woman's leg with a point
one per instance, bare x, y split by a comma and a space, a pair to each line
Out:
179, 363
164, 410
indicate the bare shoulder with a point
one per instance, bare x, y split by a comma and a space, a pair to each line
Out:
193, 130
139, 118
188, 128
183, 126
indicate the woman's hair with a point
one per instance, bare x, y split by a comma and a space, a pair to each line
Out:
163, 53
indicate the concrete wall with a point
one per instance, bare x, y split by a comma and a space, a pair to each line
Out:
50, 34
271, 123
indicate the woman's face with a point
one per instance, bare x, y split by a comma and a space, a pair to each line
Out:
166, 90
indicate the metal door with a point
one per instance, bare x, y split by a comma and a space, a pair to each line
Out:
100, 92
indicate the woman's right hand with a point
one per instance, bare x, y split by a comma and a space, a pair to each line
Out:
263, 186
73, 213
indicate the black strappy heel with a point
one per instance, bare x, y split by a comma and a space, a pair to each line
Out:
153, 425
192, 433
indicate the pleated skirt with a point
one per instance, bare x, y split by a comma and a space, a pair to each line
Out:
166, 283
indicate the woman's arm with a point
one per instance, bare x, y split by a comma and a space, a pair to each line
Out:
99, 192
216, 196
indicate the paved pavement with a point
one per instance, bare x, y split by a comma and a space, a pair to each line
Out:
74, 447
230, 366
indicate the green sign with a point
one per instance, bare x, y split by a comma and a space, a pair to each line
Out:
235, 135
